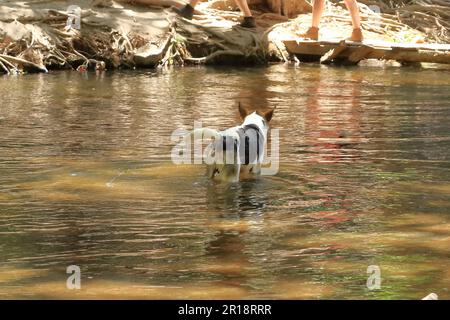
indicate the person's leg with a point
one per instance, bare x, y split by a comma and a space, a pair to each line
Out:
188, 10
242, 4
249, 20
313, 31
318, 8
352, 6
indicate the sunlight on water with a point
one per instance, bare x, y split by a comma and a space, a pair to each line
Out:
86, 179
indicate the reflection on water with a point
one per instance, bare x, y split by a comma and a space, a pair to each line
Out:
86, 179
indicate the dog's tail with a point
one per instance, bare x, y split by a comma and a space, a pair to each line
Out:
200, 134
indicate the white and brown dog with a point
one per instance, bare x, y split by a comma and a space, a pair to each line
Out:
239, 151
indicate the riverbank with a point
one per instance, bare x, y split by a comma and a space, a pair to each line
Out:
146, 33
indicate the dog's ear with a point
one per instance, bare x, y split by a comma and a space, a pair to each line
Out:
242, 111
268, 114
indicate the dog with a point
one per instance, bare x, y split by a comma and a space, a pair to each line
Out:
237, 152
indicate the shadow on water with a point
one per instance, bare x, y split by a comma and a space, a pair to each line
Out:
243, 198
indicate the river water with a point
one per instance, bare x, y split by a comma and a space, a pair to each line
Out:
86, 179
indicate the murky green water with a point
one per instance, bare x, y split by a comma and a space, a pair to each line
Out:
86, 179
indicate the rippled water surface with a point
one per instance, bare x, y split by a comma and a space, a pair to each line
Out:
86, 179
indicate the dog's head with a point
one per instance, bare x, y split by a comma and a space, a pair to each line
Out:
258, 117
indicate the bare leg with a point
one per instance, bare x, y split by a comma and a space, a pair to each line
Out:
318, 8
242, 4
313, 31
352, 6
249, 20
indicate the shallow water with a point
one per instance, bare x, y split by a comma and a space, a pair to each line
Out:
86, 179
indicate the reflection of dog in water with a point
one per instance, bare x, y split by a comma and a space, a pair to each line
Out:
238, 151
